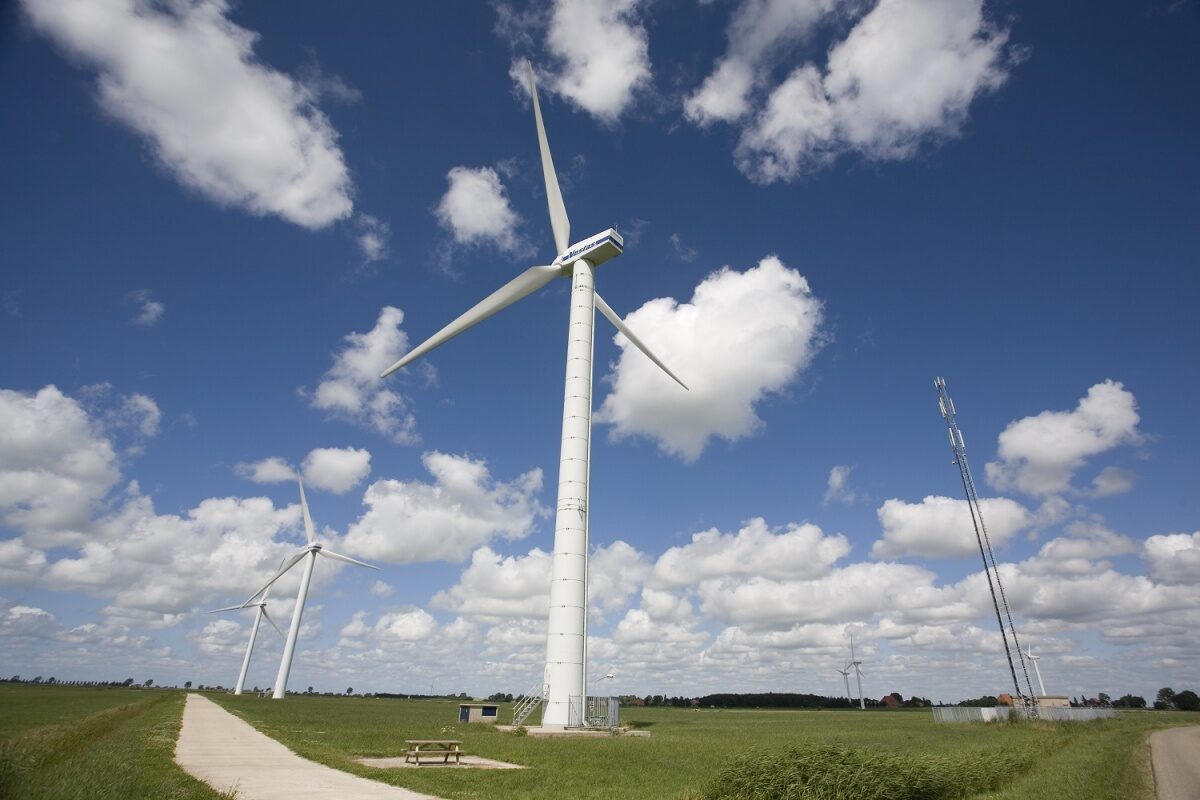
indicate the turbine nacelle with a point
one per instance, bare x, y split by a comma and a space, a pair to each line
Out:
604, 246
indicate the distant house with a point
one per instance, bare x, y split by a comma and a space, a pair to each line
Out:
889, 701
1004, 699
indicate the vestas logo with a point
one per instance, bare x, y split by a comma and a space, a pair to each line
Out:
578, 251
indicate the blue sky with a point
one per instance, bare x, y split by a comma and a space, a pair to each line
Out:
220, 222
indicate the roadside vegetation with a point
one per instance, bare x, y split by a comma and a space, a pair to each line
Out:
83, 743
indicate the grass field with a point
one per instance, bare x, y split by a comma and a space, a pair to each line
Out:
72, 742
82, 743
688, 749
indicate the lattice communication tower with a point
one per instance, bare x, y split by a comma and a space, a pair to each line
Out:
999, 600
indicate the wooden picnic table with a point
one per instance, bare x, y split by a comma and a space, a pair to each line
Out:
433, 747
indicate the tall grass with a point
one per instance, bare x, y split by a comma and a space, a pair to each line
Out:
839, 772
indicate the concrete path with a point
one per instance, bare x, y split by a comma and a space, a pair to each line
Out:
1175, 753
227, 753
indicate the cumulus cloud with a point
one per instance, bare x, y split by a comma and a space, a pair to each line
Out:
1038, 455
603, 77
410, 522
941, 527
743, 336
1112, 480
268, 470
352, 390
335, 469
757, 33
373, 237
838, 488
906, 73
796, 550
493, 587
1174, 558
475, 210
56, 465
149, 310
185, 78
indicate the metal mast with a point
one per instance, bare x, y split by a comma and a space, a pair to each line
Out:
999, 600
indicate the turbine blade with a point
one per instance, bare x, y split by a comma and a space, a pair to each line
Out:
291, 562
229, 608
631, 336
267, 591
267, 617
521, 286
308, 526
558, 211
347, 559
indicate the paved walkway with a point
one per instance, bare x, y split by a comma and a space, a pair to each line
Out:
227, 753
1175, 753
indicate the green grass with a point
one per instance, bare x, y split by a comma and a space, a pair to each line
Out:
77, 743
691, 751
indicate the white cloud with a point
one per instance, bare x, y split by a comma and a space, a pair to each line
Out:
615, 573
796, 551
56, 465
185, 78
407, 626
150, 311
602, 50
906, 73
838, 488
352, 390
20, 565
268, 470
335, 469
1112, 480
464, 508
382, 589
475, 210
1174, 558
494, 587
941, 527
373, 237
756, 33
744, 335
1038, 455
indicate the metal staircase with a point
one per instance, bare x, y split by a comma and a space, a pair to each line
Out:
528, 703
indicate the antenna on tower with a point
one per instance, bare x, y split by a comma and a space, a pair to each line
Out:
999, 599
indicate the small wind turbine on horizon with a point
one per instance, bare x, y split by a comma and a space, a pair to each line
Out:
309, 555
1037, 670
564, 686
259, 616
846, 676
858, 674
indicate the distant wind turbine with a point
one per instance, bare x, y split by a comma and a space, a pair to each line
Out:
846, 677
565, 676
309, 556
858, 674
1038, 670
261, 605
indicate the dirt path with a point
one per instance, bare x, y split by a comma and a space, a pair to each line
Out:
227, 753
1175, 753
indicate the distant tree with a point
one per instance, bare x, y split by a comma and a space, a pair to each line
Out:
1165, 698
1129, 701
187, 684
127, 682
16, 678
52, 679
309, 691
1187, 701
1104, 699
38, 679
350, 690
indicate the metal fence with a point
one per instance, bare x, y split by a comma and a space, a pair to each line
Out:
598, 712
1000, 713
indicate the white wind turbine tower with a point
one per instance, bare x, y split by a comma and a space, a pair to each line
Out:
309, 556
1037, 670
564, 685
858, 674
259, 615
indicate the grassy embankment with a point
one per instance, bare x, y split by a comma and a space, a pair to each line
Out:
73, 742
693, 754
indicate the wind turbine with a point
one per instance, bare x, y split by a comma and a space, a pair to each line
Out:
858, 674
261, 605
846, 677
565, 676
309, 556
1038, 670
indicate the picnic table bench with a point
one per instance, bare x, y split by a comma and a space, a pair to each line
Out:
446, 748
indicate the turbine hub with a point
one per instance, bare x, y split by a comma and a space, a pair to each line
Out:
604, 246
